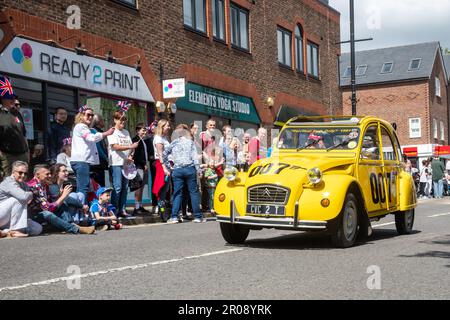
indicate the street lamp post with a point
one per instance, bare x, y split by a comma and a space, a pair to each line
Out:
352, 56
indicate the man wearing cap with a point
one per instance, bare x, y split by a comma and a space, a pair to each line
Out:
13, 143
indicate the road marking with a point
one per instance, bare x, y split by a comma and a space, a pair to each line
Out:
440, 215
134, 267
383, 224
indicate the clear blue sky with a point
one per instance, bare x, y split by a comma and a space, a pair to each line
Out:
395, 22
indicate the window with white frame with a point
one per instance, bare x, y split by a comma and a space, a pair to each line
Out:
415, 128
438, 87
435, 129
442, 130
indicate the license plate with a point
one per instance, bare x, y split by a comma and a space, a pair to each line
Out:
265, 209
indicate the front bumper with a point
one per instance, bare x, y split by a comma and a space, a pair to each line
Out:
271, 222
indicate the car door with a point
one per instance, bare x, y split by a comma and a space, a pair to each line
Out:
391, 165
370, 171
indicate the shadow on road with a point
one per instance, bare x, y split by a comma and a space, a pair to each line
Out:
441, 241
314, 241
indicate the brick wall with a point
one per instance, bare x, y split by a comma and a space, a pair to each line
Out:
400, 102
395, 103
438, 105
156, 32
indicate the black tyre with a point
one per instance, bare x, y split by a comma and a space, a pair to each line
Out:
347, 224
234, 234
404, 221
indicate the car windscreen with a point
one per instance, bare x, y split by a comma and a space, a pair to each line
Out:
339, 138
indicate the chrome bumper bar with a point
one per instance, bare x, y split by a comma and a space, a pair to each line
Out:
270, 222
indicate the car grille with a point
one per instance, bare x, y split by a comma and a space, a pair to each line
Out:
268, 194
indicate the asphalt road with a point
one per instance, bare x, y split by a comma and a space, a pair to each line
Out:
192, 261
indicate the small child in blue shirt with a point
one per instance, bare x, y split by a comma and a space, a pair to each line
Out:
103, 212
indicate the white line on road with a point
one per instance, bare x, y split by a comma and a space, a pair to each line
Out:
382, 224
134, 267
440, 215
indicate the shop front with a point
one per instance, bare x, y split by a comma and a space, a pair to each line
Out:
201, 103
47, 77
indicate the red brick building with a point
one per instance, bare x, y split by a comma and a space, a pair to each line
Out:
242, 60
406, 85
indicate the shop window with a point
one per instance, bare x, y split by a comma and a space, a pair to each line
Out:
299, 48
218, 13
239, 27
313, 59
107, 106
30, 97
195, 14
284, 46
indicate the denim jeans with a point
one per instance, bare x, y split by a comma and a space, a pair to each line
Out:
438, 188
81, 170
120, 185
61, 223
180, 177
211, 197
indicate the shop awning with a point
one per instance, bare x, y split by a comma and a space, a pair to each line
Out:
286, 113
410, 151
442, 150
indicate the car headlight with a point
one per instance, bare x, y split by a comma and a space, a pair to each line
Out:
314, 175
230, 173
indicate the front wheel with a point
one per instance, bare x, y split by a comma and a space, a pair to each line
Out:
234, 234
404, 221
347, 228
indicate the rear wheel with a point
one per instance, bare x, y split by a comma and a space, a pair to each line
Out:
234, 234
347, 225
404, 221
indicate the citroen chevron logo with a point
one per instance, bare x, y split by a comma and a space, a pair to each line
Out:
266, 193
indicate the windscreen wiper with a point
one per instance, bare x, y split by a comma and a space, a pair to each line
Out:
343, 142
307, 145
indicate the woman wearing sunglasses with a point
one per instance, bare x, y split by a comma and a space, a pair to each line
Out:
84, 148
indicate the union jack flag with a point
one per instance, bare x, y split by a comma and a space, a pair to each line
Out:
5, 87
83, 108
124, 105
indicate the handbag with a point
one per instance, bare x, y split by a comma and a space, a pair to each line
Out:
136, 183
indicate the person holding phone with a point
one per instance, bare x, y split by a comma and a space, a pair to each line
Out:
74, 203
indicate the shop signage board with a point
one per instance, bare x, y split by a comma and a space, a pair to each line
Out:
40, 61
218, 103
173, 88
